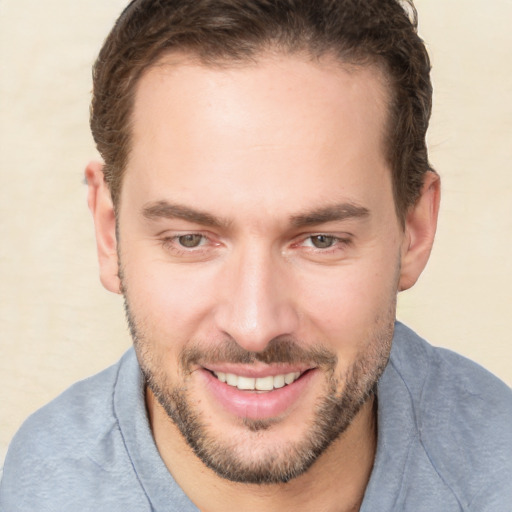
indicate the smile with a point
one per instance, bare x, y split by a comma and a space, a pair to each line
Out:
257, 384
258, 396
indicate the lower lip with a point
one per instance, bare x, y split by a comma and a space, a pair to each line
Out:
257, 405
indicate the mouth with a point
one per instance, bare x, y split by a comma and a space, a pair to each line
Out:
268, 383
258, 396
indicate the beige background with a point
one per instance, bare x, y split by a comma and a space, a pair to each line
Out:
58, 325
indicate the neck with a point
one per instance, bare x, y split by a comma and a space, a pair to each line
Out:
335, 482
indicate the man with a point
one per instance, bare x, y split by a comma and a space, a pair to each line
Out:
265, 194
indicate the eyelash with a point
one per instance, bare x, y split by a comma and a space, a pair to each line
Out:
172, 242
338, 244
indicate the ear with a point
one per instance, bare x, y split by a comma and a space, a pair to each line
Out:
102, 209
420, 229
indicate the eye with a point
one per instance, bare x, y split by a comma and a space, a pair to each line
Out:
191, 240
322, 241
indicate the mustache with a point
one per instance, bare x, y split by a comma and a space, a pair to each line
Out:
282, 349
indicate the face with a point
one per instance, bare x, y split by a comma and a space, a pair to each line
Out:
260, 255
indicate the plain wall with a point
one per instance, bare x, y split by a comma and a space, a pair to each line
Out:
58, 325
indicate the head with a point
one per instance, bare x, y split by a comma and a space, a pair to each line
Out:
380, 33
265, 194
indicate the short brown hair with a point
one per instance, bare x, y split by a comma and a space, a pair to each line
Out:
361, 32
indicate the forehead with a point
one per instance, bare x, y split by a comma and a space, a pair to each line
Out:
260, 126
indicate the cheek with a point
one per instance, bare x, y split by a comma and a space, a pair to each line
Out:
171, 304
346, 305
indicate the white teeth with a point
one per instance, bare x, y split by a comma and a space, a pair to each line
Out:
265, 384
245, 383
279, 381
260, 384
231, 379
290, 377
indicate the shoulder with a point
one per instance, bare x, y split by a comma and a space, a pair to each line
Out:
432, 371
464, 419
72, 443
72, 419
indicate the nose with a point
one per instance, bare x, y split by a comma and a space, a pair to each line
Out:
257, 302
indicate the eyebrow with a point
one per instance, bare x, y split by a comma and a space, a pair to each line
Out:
165, 210
330, 213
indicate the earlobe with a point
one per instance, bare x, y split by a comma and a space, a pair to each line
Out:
100, 204
420, 229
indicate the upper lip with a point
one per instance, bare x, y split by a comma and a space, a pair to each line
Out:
257, 370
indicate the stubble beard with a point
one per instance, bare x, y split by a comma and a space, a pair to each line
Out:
334, 412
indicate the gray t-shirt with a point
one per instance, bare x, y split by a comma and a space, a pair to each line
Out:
444, 442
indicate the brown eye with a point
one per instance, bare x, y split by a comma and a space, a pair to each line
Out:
190, 241
323, 241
